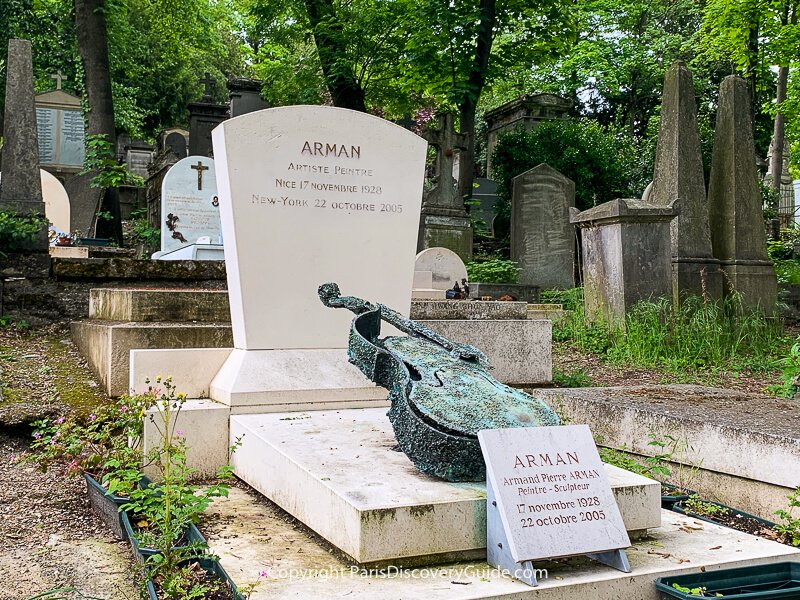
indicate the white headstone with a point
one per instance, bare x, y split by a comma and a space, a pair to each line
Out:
56, 203
552, 492
445, 265
189, 204
308, 195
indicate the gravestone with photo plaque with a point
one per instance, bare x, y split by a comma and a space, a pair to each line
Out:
311, 194
190, 223
548, 497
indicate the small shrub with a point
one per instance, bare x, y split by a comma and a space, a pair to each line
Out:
575, 379
495, 270
791, 373
704, 509
17, 231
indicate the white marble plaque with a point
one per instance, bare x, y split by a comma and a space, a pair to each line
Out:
46, 134
189, 204
72, 150
309, 195
552, 492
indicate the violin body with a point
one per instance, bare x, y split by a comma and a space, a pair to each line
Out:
441, 392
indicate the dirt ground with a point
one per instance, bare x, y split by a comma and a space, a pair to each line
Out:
49, 538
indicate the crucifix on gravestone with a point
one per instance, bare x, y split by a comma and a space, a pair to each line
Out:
208, 93
199, 167
59, 77
447, 142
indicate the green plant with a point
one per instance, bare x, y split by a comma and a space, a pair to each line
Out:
705, 509
495, 270
139, 230
790, 366
575, 379
789, 527
17, 231
100, 159
697, 591
649, 466
164, 510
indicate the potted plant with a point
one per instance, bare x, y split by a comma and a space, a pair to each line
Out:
777, 581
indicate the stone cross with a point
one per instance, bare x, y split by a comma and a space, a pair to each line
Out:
59, 78
21, 188
207, 81
199, 168
447, 142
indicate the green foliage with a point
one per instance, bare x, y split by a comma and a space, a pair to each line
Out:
16, 231
705, 509
495, 270
788, 272
575, 379
790, 365
789, 526
139, 231
110, 173
695, 591
594, 158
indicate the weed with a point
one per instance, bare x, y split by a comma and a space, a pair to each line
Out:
495, 270
790, 523
575, 379
704, 509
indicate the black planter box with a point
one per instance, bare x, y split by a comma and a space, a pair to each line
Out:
209, 565
141, 553
778, 581
106, 506
669, 502
679, 508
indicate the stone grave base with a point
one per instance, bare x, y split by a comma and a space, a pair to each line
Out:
696, 276
442, 231
251, 535
755, 280
339, 473
193, 252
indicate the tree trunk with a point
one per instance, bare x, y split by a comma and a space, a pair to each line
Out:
468, 106
778, 136
92, 37
344, 88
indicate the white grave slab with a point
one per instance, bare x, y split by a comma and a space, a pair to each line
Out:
309, 195
445, 266
552, 492
189, 205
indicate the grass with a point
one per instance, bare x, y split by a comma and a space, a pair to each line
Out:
697, 336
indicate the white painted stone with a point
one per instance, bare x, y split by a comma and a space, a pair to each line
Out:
251, 536
338, 473
520, 351
192, 369
446, 267
204, 426
69, 251
264, 377
552, 492
199, 251
356, 228
423, 280
193, 200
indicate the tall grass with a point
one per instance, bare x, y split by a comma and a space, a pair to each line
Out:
696, 335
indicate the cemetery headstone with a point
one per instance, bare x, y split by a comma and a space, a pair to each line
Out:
548, 496
485, 194
542, 237
444, 222
189, 205
445, 266
21, 189
737, 229
61, 130
245, 96
56, 204
204, 116
176, 142
626, 256
310, 194
678, 174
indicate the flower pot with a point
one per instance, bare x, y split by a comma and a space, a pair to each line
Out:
778, 581
668, 501
680, 508
209, 565
141, 553
106, 506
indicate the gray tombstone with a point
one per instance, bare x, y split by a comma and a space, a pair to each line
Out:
626, 256
485, 194
245, 96
679, 175
204, 116
176, 142
21, 189
737, 226
542, 238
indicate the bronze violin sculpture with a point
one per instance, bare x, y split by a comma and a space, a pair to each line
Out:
441, 392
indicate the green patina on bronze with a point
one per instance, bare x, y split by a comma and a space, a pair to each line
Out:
441, 392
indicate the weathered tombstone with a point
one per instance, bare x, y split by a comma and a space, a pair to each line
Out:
61, 130
679, 175
737, 226
190, 211
485, 194
56, 203
21, 189
444, 222
245, 96
542, 238
334, 195
445, 266
527, 112
176, 141
204, 116
626, 256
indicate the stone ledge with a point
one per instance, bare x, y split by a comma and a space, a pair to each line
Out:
147, 305
131, 268
449, 310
